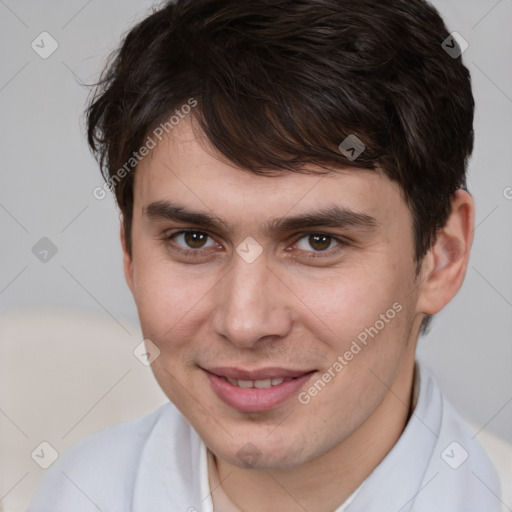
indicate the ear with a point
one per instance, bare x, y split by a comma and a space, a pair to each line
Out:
127, 259
444, 267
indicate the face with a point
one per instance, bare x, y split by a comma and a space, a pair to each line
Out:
283, 306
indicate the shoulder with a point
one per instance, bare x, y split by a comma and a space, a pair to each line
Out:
99, 471
460, 470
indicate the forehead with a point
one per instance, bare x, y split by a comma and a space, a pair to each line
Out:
185, 167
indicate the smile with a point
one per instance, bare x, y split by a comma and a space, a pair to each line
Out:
256, 391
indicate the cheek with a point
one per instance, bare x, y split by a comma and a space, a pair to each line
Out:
343, 306
167, 299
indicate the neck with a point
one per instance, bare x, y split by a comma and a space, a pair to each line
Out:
324, 483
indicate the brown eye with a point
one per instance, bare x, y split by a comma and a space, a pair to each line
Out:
320, 242
195, 239
316, 245
190, 240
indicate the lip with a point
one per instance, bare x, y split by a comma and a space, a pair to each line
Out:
256, 399
263, 373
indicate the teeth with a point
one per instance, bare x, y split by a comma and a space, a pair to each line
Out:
259, 384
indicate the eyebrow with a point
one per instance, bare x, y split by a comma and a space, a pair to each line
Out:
332, 217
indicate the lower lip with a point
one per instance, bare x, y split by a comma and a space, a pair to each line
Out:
256, 399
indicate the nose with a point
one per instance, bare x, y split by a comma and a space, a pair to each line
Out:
252, 306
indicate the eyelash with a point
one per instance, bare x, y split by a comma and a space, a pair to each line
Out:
200, 252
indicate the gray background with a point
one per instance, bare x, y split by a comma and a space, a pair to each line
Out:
48, 177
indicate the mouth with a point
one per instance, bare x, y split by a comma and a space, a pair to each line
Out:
256, 390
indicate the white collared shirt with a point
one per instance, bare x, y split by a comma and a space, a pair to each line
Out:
158, 463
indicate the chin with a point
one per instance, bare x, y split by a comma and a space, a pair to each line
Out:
263, 455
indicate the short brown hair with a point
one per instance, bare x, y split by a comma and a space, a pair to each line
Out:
280, 84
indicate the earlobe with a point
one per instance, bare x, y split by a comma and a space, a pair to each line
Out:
447, 260
127, 259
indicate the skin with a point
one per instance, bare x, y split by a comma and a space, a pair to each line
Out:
288, 309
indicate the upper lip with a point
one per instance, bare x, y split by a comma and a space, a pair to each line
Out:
261, 374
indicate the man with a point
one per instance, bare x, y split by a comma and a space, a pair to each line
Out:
291, 178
